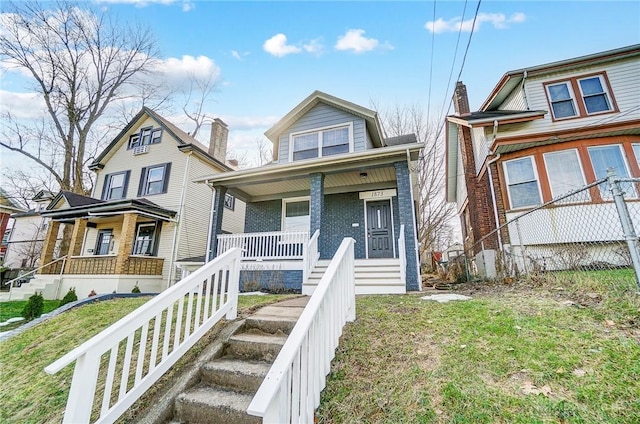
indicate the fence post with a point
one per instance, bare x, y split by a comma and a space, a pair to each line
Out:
625, 221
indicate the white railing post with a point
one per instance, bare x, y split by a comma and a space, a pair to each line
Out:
268, 245
208, 294
291, 390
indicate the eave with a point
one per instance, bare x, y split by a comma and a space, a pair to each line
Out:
112, 208
525, 116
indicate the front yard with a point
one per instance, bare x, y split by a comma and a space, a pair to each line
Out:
522, 353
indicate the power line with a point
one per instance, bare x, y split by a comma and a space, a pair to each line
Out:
433, 38
455, 55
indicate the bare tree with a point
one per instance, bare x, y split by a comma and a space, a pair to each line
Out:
197, 93
79, 62
435, 213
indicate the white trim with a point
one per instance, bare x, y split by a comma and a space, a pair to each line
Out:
567, 83
319, 131
366, 227
635, 147
284, 209
535, 175
625, 163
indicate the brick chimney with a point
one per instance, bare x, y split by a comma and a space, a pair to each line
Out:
218, 140
460, 100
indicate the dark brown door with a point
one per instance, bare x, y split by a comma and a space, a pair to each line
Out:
379, 229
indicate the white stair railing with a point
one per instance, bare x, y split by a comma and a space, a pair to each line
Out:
311, 256
290, 392
132, 354
268, 245
402, 255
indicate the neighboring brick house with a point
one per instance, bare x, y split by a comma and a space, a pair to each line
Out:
334, 175
542, 132
144, 215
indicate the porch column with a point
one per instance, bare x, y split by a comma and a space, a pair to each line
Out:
77, 237
125, 245
49, 245
316, 205
407, 217
216, 220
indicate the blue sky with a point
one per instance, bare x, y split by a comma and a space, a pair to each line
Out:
271, 55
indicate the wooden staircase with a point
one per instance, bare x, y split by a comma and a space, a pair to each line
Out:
227, 383
373, 276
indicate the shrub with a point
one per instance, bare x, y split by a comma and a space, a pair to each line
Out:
135, 289
34, 307
71, 296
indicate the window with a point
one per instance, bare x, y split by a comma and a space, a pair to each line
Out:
104, 242
115, 185
561, 97
154, 179
522, 182
146, 236
636, 152
565, 175
6, 236
146, 136
295, 215
594, 95
229, 201
605, 157
591, 92
325, 142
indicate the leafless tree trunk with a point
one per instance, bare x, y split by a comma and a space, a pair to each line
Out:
434, 212
197, 93
80, 63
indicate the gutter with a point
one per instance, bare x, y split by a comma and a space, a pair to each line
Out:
176, 227
493, 191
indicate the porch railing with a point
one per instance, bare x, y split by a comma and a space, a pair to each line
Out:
56, 264
291, 390
402, 255
141, 265
138, 349
91, 265
311, 256
267, 246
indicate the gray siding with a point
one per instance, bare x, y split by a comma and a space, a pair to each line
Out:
263, 216
321, 116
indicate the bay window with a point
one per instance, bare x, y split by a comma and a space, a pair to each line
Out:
522, 182
565, 175
605, 157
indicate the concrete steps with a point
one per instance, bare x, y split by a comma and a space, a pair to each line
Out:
24, 292
227, 383
373, 276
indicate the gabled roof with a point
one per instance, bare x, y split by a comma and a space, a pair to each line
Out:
7, 204
185, 141
370, 117
43, 195
72, 199
512, 79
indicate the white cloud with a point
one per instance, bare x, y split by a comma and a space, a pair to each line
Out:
187, 5
176, 69
239, 56
498, 20
355, 41
22, 105
277, 46
314, 46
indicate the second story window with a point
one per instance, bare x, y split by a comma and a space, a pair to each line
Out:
115, 185
154, 179
580, 97
562, 103
594, 95
323, 142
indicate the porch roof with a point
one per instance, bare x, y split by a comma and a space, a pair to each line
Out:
113, 207
342, 173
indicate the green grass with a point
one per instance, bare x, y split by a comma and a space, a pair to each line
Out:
28, 394
511, 355
14, 308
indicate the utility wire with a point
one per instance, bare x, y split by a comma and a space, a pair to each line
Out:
464, 58
433, 39
455, 55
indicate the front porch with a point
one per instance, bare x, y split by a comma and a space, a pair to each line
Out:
106, 265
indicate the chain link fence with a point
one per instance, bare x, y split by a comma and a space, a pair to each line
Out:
567, 239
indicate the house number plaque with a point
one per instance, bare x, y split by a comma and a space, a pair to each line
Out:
377, 194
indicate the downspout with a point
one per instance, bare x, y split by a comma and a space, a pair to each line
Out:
176, 234
493, 191
524, 92
415, 225
209, 233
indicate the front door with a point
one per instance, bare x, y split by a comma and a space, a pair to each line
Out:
379, 229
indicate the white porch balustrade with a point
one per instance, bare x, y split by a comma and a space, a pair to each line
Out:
290, 392
123, 361
274, 245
